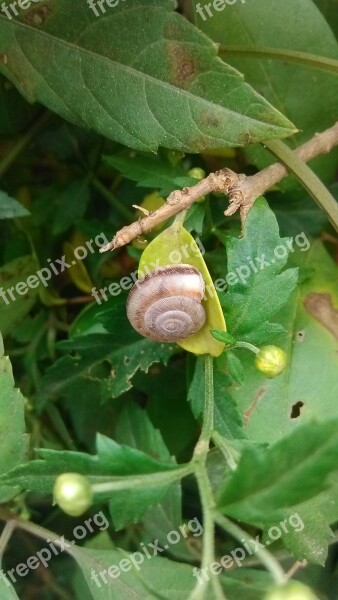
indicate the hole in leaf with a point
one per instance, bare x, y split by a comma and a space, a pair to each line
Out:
300, 336
295, 410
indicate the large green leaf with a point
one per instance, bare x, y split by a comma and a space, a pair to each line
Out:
256, 288
295, 89
152, 578
269, 482
112, 464
158, 578
14, 441
141, 75
308, 388
122, 349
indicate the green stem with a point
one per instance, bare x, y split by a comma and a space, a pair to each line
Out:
22, 143
307, 177
60, 427
140, 481
5, 537
120, 208
246, 345
230, 455
302, 58
203, 443
205, 490
266, 558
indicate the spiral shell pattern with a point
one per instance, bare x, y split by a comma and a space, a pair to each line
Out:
166, 305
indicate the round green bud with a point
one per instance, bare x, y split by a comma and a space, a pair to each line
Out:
291, 591
271, 361
73, 493
196, 173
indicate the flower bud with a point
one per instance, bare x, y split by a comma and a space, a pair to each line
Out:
196, 173
291, 591
271, 361
73, 493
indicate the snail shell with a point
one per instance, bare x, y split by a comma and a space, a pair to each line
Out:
165, 305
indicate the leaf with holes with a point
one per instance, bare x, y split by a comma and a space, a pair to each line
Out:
308, 388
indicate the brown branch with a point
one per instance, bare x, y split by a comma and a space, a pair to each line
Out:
241, 190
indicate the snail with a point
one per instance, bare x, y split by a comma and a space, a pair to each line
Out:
166, 305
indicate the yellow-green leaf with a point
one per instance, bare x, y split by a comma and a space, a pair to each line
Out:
175, 245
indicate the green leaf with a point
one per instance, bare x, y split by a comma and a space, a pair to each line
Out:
195, 218
269, 482
135, 429
148, 170
71, 205
15, 112
228, 421
235, 367
12, 274
223, 336
156, 577
307, 388
14, 440
11, 208
134, 92
296, 90
257, 290
7, 590
310, 543
122, 350
113, 464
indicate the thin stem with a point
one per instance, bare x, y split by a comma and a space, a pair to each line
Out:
117, 205
230, 455
246, 345
208, 552
204, 487
5, 537
22, 143
60, 427
141, 481
203, 443
302, 58
308, 178
266, 558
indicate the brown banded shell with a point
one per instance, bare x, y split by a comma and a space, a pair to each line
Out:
166, 305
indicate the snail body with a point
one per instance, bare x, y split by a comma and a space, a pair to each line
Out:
166, 305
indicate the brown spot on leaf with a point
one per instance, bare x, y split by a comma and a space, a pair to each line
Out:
321, 308
295, 410
209, 120
37, 16
181, 64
